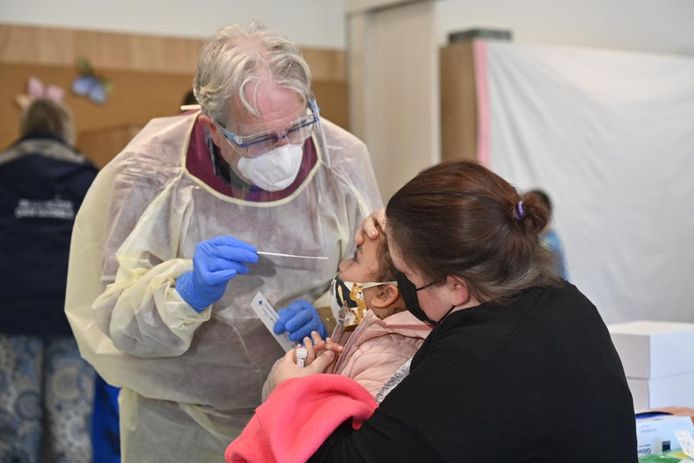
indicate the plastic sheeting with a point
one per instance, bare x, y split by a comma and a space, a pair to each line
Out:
610, 136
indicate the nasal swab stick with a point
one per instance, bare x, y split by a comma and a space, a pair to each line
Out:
278, 254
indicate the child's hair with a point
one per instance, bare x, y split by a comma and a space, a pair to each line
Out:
386, 268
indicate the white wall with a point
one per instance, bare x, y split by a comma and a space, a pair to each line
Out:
310, 23
394, 90
664, 26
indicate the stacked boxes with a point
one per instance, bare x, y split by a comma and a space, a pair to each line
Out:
658, 359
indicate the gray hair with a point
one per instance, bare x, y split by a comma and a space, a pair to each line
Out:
235, 56
45, 116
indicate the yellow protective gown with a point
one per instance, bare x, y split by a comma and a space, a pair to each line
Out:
192, 380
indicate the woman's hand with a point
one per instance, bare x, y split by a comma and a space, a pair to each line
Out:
287, 367
370, 226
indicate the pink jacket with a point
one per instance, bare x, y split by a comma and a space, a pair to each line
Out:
376, 348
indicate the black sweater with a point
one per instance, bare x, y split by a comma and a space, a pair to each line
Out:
534, 380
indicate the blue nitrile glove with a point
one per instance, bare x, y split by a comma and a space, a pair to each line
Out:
215, 262
299, 318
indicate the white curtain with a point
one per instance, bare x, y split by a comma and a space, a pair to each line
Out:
610, 136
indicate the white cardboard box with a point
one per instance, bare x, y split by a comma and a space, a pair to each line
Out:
657, 435
650, 349
675, 390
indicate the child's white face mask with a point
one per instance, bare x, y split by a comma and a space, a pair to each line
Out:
347, 300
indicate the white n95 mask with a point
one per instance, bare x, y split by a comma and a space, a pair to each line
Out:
274, 170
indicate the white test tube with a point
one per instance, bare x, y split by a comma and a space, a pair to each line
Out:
301, 354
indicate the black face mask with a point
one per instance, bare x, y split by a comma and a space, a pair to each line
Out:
409, 294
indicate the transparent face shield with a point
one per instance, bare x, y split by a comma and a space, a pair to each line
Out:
258, 144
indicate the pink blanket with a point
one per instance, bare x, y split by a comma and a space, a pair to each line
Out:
298, 417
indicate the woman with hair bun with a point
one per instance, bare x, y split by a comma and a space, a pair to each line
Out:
518, 368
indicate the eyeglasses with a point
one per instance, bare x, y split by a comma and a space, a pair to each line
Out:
261, 143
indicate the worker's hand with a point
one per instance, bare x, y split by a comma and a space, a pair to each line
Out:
215, 262
287, 367
298, 319
370, 226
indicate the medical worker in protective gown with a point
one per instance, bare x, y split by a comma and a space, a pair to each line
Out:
164, 261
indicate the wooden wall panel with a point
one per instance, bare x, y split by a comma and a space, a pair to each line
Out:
326, 65
458, 102
137, 97
332, 101
149, 74
109, 50
102, 144
117, 51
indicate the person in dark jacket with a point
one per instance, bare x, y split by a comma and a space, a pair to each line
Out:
45, 386
518, 368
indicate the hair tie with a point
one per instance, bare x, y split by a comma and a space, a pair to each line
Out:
520, 211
